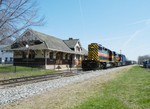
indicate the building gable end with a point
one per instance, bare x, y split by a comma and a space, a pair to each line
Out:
28, 37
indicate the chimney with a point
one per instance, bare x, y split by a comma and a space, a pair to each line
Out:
70, 38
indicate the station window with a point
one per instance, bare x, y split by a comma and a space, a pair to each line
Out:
77, 48
6, 59
11, 59
66, 56
51, 55
31, 55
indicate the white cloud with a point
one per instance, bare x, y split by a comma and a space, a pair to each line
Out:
131, 37
112, 38
146, 22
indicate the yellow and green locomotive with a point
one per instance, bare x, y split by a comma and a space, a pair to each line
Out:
100, 57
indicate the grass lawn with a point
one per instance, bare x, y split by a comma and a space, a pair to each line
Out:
131, 90
11, 68
8, 71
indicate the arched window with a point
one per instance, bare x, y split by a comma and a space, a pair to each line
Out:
77, 48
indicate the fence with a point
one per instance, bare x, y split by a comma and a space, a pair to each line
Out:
32, 66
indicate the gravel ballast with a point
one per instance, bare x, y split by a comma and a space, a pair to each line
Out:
12, 94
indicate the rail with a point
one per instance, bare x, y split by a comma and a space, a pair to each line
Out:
39, 77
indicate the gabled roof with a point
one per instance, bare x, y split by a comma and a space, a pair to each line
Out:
84, 51
48, 43
71, 42
52, 42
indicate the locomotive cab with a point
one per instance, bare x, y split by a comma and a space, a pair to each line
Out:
100, 57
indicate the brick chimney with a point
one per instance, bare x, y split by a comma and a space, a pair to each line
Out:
70, 38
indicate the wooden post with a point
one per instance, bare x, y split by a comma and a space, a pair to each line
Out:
45, 56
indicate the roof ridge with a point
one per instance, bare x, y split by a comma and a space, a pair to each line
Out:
53, 42
35, 34
47, 35
70, 40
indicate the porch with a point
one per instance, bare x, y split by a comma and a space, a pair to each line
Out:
47, 59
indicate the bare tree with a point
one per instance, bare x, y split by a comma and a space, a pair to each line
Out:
17, 15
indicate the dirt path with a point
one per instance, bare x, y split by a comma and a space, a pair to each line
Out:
67, 96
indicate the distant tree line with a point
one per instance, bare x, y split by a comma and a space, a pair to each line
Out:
143, 58
16, 16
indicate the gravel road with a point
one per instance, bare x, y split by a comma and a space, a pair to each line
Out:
12, 94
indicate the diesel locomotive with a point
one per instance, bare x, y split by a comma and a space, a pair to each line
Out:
100, 57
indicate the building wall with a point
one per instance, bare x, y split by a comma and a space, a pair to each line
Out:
77, 47
39, 54
6, 57
77, 58
47, 59
29, 58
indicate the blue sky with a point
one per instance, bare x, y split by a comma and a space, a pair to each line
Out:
116, 24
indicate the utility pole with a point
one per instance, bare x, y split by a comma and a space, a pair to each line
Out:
120, 51
27, 47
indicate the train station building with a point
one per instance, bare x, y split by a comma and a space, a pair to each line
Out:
37, 49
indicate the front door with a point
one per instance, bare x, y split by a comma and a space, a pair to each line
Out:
59, 58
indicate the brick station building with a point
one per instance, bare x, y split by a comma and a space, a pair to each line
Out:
36, 49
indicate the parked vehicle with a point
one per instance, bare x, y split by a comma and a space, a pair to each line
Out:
146, 64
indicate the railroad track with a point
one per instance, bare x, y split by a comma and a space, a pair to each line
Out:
31, 79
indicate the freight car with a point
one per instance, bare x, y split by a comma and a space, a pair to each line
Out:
100, 57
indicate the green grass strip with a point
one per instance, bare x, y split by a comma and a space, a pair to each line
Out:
130, 90
8, 71
11, 68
